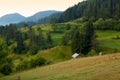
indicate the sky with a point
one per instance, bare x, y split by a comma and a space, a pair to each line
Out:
30, 7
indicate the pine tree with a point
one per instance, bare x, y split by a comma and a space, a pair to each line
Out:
33, 48
40, 40
20, 43
76, 42
88, 38
65, 40
49, 39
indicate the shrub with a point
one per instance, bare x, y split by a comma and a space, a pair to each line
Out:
37, 61
30, 62
6, 68
92, 53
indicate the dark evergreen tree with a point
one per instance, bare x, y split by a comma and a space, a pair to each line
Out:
88, 38
49, 39
76, 42
68, 27
10, 33
33, 48
20, 43
65, 40
40, 40
31, 34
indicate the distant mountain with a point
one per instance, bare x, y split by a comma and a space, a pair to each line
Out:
43, 17
11, 18
17, 18
40, 15
46, 20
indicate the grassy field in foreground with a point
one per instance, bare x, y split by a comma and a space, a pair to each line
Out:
106, 67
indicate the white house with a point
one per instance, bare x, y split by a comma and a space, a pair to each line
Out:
100, 53
76, 55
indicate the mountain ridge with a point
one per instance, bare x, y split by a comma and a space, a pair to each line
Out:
41, 15
17, 18
11, 18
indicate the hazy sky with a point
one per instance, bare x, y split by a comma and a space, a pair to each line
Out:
30, 7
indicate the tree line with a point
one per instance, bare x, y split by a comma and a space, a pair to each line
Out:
82, 40
17, 41
92, 8
25, 41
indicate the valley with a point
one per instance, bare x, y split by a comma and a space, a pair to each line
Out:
40, 47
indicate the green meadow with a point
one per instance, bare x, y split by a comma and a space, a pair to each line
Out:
107, 42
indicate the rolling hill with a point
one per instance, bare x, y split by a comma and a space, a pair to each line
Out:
106, 67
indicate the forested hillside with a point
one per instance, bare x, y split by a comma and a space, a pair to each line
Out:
92, 8
87, 28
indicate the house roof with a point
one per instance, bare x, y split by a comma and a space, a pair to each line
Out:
75, 55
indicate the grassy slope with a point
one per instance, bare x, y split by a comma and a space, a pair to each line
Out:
108, 44
105, 67
84, 71
56, 54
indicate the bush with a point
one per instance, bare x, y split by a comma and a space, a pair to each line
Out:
30, 62
6, 65
6, 68
92, 53
36, 61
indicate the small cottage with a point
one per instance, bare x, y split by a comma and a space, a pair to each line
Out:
100, 53
76, 55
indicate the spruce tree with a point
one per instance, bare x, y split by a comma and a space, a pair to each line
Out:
49, 39
76, 42
40, 40
65, 40
88, 38
20, 43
